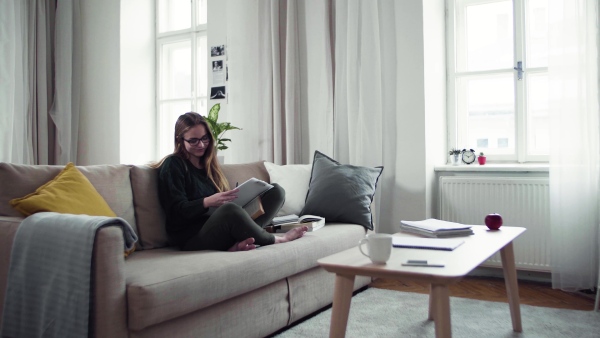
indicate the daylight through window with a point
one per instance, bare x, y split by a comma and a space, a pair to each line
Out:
497, 78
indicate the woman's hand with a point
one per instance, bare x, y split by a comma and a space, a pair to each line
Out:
220, 198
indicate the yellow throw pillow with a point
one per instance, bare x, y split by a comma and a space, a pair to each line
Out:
70, 192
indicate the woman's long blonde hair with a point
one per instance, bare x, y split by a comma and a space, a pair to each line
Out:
209, 160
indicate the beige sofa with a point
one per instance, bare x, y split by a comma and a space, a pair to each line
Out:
159, 291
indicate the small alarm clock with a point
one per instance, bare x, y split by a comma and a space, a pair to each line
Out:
468, 156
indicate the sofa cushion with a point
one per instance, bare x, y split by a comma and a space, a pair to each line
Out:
111, 181
294, 179
167, 283
69, 192
148, 211
254, 314
341, 192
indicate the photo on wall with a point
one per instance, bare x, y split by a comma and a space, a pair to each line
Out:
217, 93
217, 50
217, 65
218, 74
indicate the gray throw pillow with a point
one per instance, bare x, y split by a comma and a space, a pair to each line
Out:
341, 192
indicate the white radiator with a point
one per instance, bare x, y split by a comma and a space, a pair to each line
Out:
523, 202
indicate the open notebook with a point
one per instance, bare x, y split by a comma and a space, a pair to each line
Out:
448, 244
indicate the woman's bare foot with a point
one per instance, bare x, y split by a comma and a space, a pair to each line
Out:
291, 235
245, 245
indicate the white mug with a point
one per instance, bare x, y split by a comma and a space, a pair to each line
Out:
379, 245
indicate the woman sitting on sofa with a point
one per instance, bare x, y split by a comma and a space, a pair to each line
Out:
190, 182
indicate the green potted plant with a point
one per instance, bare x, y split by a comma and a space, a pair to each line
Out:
455, 156
219, 128
481, 158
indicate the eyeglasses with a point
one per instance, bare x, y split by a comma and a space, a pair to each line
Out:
194, 141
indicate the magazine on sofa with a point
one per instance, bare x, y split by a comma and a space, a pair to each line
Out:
288, 222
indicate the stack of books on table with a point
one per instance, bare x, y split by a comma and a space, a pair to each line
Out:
288, 222
436, 228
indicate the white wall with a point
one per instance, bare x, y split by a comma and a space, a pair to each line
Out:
216, 35
420, 119
410, 201
138, 82
434, 37
117, 89
216, 32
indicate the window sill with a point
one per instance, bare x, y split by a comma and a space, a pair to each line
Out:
512, 167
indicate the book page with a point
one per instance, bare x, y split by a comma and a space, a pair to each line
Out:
287, 219
309, 218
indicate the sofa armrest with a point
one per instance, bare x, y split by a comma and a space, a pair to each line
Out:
109, 304
8, 229
109, 310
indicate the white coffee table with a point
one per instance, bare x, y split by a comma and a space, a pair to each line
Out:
458, 263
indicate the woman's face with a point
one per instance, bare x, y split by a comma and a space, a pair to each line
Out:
198, 135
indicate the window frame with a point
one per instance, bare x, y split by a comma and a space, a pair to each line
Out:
191, 34
454, 127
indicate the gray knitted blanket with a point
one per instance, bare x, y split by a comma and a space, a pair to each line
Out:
48, 292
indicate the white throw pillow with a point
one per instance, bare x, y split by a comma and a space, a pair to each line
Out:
294, 179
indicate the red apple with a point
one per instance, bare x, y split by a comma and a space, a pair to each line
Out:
493, 221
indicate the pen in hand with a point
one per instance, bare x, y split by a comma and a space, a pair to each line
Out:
236, 184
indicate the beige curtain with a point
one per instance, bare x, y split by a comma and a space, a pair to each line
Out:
285, 102
40, 81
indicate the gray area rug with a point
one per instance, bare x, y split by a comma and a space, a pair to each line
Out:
385, 313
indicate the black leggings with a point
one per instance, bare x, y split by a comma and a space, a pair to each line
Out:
230, 224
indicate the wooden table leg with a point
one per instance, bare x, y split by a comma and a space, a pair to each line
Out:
431, 303
512, 287
440, 299
342, 295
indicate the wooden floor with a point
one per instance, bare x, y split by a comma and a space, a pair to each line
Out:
493, 289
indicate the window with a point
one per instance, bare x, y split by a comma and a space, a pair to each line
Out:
182, 65
497, 78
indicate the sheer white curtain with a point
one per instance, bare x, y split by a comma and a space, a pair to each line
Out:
39, 74
370, 99
575, 147
280, 80
14, 146
359, 96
